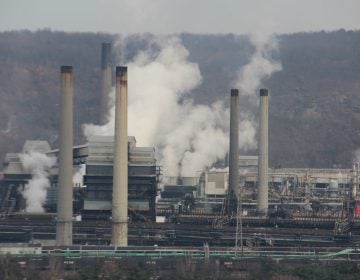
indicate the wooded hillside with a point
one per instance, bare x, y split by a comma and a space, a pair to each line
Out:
314, 106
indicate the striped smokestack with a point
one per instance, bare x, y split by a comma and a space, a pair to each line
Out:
120, 175
234, 148
262, 203
65, 186
105, 81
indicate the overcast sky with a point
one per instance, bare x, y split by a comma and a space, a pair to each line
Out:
173, 16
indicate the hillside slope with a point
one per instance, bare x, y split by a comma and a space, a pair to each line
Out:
314, 106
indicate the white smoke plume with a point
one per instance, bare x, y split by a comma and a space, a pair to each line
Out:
261, 65
214, 169
249, 79
198, 140
247, 132
78, 175
38, 165
189, 138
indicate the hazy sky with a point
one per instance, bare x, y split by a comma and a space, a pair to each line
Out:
172, 16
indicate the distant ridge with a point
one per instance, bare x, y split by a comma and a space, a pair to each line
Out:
314, 101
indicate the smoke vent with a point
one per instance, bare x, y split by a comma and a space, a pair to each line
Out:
262, 204
105, 81
120, 176
65, 191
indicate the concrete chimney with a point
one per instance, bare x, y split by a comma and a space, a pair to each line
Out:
234, 148
105, 81
65, 185
120, 175
262, 203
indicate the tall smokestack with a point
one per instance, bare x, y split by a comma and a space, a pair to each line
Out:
120, 175
65, 187
234, 149
262, 203
105, 80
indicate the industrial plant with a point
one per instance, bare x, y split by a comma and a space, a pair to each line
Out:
124, 200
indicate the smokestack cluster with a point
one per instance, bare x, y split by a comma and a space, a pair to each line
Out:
120, 166
106, 82
234, 147
262, 203
65, 187
120, 175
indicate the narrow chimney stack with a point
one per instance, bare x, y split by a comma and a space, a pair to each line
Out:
65, 185
120, 175
106, 82
263, 186
234, 147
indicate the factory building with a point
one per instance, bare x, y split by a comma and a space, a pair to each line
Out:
174, 191
216, 181
95, 194
142, 180
320, 182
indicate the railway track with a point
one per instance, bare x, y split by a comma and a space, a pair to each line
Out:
179, 234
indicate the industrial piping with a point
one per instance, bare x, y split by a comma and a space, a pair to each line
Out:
262, 203
65, 186
234, 147
120, 173
106, 82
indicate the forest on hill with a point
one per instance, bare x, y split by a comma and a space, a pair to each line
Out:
314, 106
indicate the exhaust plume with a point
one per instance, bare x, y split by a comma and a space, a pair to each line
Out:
38, 165
162, 115
261, 66
189, 138
249, 78
78, 175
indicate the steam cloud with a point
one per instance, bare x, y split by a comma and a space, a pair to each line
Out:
78, 176
249, 78
260, 67
188, 137
38, 165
